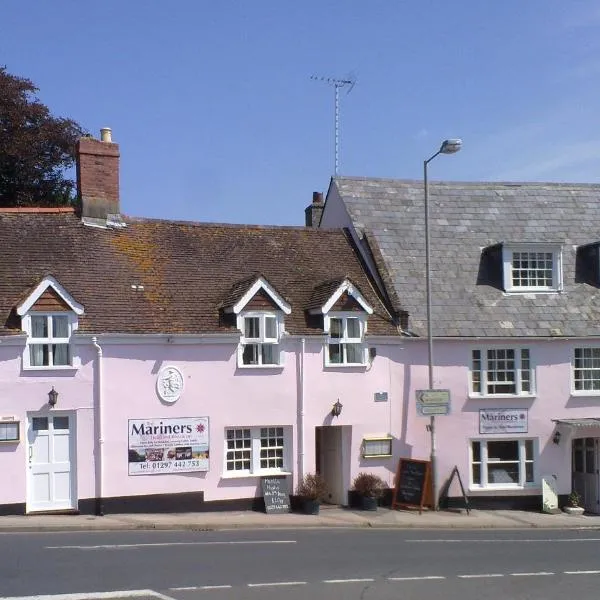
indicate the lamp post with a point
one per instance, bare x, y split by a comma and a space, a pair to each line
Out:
448, 147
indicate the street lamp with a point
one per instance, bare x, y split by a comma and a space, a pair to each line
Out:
448, 147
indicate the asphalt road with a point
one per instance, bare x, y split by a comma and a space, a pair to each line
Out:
317, 563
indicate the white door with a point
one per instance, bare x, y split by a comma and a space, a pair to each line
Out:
50, 482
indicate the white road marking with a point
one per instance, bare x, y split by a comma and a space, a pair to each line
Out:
427, 577
578, 573
214, 587
497, 541
277, 583
532, 574
158, 544
93, 596
347, 580
481, 576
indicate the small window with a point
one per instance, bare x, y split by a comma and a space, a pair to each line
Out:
532, 268
586, 370
259, 344
501, 372
39, 423
48, 340
502, 463
9, 431
257, 450
377, 447
345, 345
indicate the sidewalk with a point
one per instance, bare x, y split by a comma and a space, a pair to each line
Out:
329, 517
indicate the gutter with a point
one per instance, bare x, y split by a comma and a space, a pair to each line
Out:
301, 415
99, 388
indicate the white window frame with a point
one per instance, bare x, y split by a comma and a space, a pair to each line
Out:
27, 326
594, 370
256, 437
557, 273
519, 371
485, 462
344, 340
262, 339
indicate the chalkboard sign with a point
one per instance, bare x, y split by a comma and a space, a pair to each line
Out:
412, 481
276, 494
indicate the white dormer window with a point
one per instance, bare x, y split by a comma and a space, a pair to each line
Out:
345, 342
259, 343
532, 268
48, 340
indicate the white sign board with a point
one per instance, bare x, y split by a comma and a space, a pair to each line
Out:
159, 446
503, 420
433, 396
549, 494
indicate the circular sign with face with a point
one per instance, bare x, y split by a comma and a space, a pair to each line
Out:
169, 384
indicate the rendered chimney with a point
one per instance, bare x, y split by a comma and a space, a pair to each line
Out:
98, 176
313, 212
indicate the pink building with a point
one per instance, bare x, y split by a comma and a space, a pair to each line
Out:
159, 365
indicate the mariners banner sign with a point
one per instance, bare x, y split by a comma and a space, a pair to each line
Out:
503, 420
159, 446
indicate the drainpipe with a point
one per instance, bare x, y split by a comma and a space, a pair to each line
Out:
301, 411
99, 431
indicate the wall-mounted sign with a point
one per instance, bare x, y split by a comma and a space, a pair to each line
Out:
433, 402
9, 430
503, 420
169, 384
380, 396
168, 445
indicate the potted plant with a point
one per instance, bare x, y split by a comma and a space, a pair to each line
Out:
369, 488
312, 490
573, 506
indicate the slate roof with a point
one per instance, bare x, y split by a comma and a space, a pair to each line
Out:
465, 218
186, 269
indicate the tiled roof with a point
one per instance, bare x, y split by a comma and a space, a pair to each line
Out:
465, 218
182, 271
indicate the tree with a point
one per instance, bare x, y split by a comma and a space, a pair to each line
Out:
35, 147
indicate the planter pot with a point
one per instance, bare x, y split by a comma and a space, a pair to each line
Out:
310, 506
367, 503
574, 510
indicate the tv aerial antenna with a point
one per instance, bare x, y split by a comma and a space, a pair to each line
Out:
337, 84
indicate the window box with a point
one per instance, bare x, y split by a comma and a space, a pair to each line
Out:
502, 464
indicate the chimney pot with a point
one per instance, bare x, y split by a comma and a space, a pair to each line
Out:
106, 134
317, 197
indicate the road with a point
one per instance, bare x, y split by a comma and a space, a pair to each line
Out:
311, 563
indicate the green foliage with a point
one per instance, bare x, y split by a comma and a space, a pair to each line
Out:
369, 485
312, 487
35, 147
574, 499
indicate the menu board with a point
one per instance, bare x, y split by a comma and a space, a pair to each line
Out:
276, 494
412, 481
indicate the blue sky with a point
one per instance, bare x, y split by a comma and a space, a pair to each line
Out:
218, 120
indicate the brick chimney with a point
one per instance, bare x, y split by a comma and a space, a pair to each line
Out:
98, 177
313, 212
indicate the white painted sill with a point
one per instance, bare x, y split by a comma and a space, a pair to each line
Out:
64, 369
502, 397
245, 475
259, 367
490, 488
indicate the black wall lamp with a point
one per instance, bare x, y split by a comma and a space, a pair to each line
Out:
52, 397
556, 437
336, 409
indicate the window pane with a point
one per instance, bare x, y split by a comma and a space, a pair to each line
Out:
590, 463
476, 371
353, 325
39, 327
39, 423
354, 353
271, 327
505, 450
250, 354
476, 446
529, 472
38, 355
60, 422
477, 474
504, 473
60, 354
578, 456
335, 328
528, 449
251, 327
335, 353
60, 326
269, 354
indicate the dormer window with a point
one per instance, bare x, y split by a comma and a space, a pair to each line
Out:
345, 343
259, 344
532, 268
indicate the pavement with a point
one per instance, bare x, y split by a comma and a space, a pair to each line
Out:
329, 516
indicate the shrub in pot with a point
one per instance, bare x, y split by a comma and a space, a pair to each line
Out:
312, 490
369, 488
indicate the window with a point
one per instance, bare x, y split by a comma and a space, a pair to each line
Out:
374, 447
501, 371
256, 451
260, 340
9, 431
532, 269
48, 340
586, 370
502, 463
345, 345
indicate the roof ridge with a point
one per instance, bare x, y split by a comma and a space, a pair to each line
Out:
37, 209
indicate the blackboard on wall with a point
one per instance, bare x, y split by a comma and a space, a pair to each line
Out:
412, 483
276, 494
